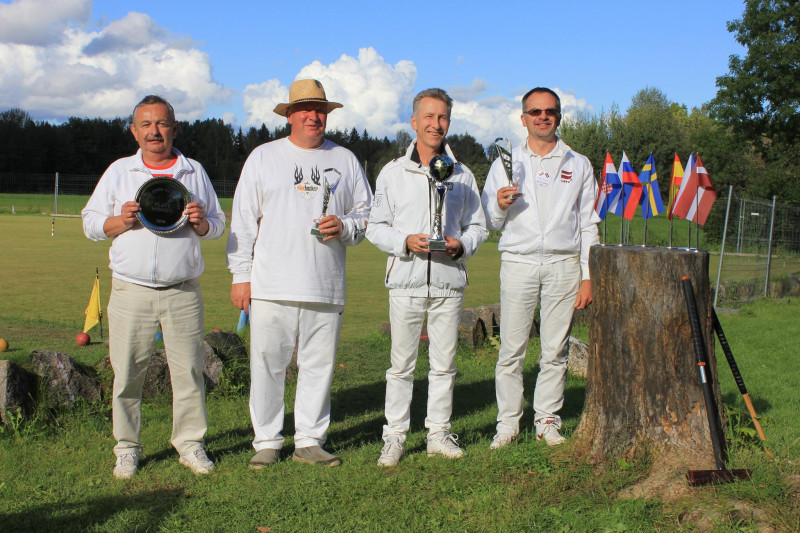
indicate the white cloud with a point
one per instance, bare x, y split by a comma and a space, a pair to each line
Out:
67, 71
468, 92
377, 97
499, 116
40, 22
373, 92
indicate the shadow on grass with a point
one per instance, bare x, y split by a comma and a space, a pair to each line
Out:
150, 507
761, 405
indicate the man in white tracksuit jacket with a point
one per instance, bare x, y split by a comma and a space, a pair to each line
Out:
293, 282
547, 233
421, 281
155, 282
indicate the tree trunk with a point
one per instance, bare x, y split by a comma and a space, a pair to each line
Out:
643, 392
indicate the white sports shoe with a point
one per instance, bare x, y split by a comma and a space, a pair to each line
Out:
197, 461
127, 466
501, 440
547, 429
444, 444
391, 453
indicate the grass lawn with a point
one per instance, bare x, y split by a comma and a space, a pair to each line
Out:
55, 472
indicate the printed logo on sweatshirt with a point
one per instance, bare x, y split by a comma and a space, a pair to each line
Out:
566, 176
376, 200
308, 187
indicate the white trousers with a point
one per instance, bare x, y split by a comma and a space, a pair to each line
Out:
406, 315
275, 326
522, 286
134, 313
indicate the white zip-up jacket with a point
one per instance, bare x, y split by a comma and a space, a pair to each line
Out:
404, 205
138, 255
571, 225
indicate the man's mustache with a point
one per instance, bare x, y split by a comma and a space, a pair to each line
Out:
156, 137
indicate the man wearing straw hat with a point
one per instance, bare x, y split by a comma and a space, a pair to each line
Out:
547, 233
292, 281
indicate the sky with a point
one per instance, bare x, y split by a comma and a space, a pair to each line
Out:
235, 60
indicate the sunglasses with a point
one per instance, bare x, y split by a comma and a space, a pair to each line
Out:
550, 112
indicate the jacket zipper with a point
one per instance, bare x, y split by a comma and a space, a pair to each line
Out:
430, 228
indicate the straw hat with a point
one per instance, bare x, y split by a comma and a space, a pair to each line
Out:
305, 91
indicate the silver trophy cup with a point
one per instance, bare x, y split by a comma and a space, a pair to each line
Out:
440, 169
330, 180
503, 147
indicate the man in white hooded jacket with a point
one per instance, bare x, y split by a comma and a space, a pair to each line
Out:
547, 233
421, 281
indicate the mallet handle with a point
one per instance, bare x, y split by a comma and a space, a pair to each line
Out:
704, 370
737, 376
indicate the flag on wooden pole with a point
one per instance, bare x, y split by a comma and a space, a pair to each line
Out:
698, 197
651, 196
610, 187
674, 184
632, 187
93, 312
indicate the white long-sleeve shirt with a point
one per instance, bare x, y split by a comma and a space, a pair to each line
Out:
278, 197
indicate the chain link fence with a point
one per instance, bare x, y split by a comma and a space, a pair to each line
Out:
761, 253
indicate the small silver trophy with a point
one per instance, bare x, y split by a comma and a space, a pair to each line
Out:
330, 180
440, 169
503, 147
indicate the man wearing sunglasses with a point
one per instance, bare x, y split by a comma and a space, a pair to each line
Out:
547, 233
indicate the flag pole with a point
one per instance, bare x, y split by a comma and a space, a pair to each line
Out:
670, 231
622, 218
696, 217
646, 210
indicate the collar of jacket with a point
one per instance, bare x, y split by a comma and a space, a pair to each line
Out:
182, 165
412, 163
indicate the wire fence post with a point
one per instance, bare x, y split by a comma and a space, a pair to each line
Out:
769, 246
55, 199
722, 248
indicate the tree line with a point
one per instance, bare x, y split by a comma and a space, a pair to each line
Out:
86, 146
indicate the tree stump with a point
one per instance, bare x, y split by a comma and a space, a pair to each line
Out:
643, 392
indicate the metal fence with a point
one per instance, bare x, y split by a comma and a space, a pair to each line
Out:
58, 183
760, 254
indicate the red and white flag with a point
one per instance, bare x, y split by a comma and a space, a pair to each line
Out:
696, 195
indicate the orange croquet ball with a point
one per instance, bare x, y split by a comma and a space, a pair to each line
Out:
3, 345
82, 339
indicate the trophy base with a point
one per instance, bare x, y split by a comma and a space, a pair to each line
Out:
316, 232
514, 196
437, 245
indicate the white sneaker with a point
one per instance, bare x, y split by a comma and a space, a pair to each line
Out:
391, 453
444, 444
501, 440
197, 461
547, 429
127, 466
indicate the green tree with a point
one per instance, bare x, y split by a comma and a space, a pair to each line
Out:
759, 98
760, 95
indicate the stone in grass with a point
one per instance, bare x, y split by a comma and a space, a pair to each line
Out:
63, 381
16, 388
